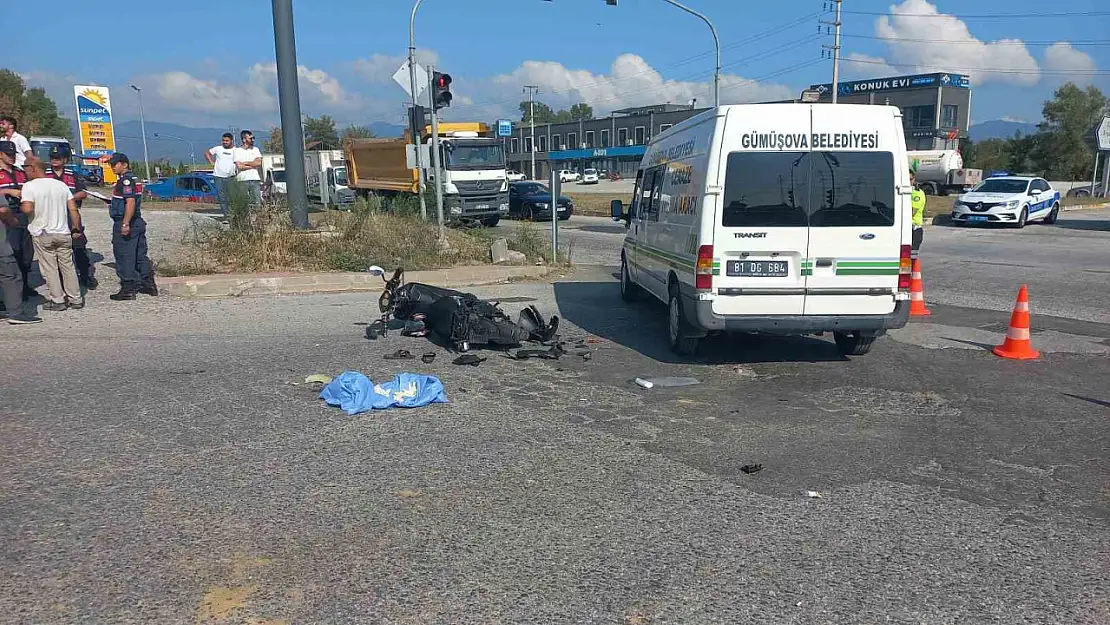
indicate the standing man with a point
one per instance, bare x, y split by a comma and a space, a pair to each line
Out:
136, 274
247, 159
8, 127
222, 158
11, 281
54, 209
12, 178
59, 158
917, 202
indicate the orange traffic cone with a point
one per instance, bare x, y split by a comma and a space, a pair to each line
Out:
1017, 344
917, 292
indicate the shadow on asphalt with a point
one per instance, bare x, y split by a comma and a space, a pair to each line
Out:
1098, 225
596, 307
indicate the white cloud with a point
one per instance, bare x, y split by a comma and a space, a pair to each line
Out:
866, 66
256, 93
1062, 56
1016, 120
930, 44
631, 81
381, 67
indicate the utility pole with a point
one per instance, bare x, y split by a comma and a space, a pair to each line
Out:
532, 89
418, 129
289, 103
142, 126
835, 47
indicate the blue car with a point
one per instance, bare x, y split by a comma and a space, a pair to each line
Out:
186, 187
532, 200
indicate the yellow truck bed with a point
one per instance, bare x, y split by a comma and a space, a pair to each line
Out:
379, 165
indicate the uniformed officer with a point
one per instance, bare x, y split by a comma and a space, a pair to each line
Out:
917, 202
59, 158
19, 239
136, 274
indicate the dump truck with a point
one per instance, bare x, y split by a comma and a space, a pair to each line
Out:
940, 172
475, 184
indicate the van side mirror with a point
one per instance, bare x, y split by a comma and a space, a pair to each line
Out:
616, 208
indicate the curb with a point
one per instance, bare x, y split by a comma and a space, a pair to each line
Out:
1086, 207
245, 285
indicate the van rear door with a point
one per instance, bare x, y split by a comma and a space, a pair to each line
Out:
856, 215
760, 236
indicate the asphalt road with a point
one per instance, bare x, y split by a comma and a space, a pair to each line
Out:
1066, 266
162, 461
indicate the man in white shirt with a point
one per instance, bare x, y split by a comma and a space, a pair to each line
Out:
51, 205
247, 159
8, 127
222, 158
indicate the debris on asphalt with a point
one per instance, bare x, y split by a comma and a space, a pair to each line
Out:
554, 352
401, 354
644, 383
469, 359
428, 358
317, 378
748, 469
668, 381
355, 393
812, 494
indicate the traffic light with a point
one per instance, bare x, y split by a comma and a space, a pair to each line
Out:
441, 90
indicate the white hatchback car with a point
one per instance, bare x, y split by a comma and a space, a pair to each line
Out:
1011, 200
566, 175
589, 176
514, 175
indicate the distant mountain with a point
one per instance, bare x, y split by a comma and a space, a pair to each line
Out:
1000, 129
386, 131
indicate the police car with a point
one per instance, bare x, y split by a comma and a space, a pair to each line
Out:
1011, 200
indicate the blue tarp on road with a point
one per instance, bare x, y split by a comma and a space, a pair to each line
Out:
355, 393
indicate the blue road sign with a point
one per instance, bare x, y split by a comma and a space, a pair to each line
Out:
504, 128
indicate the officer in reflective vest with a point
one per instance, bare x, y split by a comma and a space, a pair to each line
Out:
19, 239
917, 202
59, 158
136, 274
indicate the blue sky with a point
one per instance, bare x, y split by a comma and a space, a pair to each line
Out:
220, 71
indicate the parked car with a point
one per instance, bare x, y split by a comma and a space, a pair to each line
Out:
1086, 191
566, 175
589, 176
532, 200
514, 175
186, 187
1010, 200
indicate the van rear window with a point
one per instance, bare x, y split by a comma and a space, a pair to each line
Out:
766, 189
818, 189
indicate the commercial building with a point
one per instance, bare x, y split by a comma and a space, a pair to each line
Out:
936, 109
614, 143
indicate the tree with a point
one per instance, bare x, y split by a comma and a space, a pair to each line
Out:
1063, 150
544, 114
355, 131
321, 130
581, 111
32, 108
274, 144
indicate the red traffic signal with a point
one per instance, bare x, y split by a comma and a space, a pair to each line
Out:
441, 90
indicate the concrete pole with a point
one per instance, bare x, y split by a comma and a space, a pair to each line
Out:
289, 103
716, 42
836, 54
532, 121
1105, 177
1094, 172
416, 140
142, 126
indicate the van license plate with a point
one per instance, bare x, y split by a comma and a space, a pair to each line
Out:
758, 268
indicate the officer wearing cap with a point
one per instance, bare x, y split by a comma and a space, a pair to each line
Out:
136, 274
59, 158
917, 204
19, 239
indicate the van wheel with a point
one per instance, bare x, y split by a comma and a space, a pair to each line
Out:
1053, 215
929, 188
853, 343
678, 328
630, 291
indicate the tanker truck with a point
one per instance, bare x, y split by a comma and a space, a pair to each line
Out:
475, 184
940, 172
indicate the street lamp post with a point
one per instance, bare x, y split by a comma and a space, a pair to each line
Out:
716, 43
142, 125
418, 126
192, 150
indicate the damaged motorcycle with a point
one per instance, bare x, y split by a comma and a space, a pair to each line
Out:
460, 319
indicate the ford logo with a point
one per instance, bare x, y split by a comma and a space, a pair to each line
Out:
867, 236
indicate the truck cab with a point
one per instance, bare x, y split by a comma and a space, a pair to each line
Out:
475, 182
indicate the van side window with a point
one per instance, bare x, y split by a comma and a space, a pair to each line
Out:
852, 189
651, 199
766, 189
634, 206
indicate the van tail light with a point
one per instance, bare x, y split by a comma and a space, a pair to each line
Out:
905, 268
703, 275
